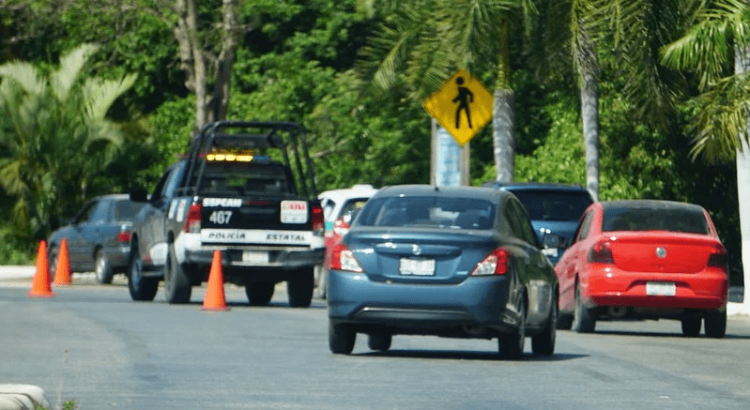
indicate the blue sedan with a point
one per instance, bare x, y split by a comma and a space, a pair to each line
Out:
458, 262
98, 237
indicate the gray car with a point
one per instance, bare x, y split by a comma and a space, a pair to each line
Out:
458, 262
98, 237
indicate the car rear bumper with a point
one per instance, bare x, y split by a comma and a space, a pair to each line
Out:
612, 287
420, 309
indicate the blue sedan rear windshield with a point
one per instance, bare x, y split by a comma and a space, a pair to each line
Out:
436, 212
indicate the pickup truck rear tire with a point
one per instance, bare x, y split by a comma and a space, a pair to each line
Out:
259, 293
177, 286
300, 288
141, 288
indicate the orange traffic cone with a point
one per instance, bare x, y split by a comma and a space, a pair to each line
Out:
62, 270
40, 287
215, 299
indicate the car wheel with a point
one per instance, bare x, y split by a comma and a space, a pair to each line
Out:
691, 324
322, 282
53, 254
583, 317
715, 323
259, 293
564, 321
511, 345
543, 344
300, 288
341, 338
380, 341
141, 289
102, 268
177, 286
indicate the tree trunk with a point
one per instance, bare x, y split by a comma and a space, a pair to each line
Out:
192, 57
590, 115
742, 65
502, 114
229, 42
502, 134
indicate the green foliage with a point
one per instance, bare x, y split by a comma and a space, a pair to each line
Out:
54, 137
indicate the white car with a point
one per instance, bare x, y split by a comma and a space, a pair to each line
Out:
339, 207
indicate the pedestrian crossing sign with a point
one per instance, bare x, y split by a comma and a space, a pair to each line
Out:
463, 106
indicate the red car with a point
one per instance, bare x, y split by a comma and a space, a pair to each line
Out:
644, 259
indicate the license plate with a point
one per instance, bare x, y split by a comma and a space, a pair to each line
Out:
661, 288
417, 267
256, 258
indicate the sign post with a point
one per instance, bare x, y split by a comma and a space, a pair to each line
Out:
461, 108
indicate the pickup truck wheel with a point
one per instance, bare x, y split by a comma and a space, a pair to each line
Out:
259, 293
103, 269
300, 288
177, 287
141, 289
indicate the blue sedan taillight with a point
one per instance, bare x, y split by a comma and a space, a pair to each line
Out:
343, 259
496, 263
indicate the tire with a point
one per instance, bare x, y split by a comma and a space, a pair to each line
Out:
564, 321
177, 285
543, 344
300, 288
379, 341
259, 293
102, 268
583, 317
715, 323
691, 324
322, 287
141, 289
511, 345
341, 338
53, 254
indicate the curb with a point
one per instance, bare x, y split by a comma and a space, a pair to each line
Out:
22, 397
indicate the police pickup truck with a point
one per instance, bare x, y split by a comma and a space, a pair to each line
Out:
246, 189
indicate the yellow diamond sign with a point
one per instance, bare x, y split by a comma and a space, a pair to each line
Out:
463, 106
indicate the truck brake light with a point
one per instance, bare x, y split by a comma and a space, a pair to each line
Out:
318, 223
193, 220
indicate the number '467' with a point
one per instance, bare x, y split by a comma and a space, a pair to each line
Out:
220, 217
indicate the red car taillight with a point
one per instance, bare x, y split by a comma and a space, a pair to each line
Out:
601, 252
340, 227
193, 220
343, 259
496, 263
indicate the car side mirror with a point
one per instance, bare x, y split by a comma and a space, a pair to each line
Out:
138, 195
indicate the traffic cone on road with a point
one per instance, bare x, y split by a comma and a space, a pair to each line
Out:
40, 287
62, 270
215, 299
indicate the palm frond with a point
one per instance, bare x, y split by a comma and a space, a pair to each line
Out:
25, 75
101, 94
71, 64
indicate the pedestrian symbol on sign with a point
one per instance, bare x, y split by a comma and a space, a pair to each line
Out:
463, 106
464, 98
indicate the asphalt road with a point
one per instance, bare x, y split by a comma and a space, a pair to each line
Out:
92, 344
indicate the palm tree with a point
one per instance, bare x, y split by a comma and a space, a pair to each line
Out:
567, 30
720, 37
423, 42
54, 136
